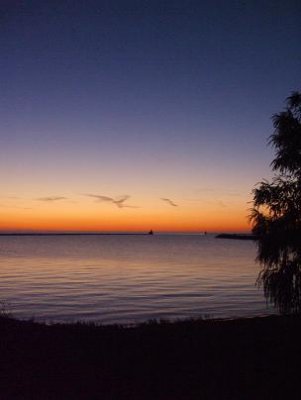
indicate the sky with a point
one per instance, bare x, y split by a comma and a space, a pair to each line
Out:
132, 115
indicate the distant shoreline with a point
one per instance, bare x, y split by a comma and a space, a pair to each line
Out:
222, 235
236, 236
74, 234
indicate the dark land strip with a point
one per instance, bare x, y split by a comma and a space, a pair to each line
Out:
256, 358
237, 236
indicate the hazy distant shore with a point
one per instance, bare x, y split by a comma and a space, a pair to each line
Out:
74, 234
236, 236
256, 358
243, 236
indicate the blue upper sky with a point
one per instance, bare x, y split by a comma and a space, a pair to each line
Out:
123, 96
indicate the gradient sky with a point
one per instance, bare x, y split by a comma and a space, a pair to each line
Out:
167, 102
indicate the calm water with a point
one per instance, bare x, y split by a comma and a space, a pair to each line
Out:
128, 278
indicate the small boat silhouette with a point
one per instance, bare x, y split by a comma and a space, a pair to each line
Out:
151, 232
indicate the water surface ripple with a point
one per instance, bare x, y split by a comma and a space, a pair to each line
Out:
129, 278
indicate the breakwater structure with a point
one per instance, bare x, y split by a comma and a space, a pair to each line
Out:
238, 236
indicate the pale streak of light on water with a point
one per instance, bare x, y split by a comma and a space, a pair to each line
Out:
128, 279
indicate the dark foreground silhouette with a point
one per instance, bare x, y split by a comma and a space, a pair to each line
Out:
255, 358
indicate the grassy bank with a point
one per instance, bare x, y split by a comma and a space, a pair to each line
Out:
255, 358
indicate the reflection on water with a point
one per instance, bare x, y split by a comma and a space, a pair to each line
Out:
128, 278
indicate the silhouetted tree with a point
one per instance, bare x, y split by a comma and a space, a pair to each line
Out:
276, 213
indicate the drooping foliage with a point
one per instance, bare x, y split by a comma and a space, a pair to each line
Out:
276, 213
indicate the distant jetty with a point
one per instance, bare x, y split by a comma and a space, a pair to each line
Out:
237, 236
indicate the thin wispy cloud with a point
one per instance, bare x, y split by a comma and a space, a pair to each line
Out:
15, 207
233, 194
170, 202
52, 198
118, 201
13, 197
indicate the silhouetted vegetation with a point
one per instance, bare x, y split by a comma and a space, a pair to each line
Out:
5, 310
276, 213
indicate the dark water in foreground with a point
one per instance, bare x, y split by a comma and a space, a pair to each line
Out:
129, 278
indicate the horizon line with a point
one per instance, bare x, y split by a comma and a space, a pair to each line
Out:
116, 233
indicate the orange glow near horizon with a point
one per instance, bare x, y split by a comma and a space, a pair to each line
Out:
105, 218
162, 205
